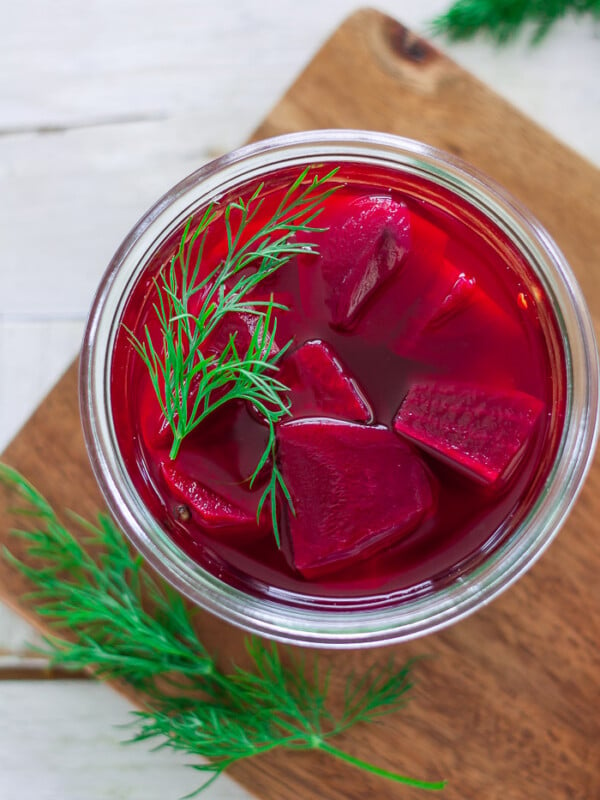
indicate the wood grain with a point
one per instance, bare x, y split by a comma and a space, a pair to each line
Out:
510, 705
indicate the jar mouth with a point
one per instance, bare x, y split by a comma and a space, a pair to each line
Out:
337, 623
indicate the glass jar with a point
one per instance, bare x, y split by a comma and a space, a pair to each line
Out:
341, 621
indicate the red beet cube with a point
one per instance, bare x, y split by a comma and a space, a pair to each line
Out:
461, 293
364, 244
481, 432
466, 329
210, 510
321, 385
420, 284
356, 489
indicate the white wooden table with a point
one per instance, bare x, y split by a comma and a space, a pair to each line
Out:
103, 106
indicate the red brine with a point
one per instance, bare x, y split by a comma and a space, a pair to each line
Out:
426, 390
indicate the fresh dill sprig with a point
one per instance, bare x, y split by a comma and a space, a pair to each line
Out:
121, 623
189, 380
503, 19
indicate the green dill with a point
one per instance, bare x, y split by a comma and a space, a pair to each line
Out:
503, 19
190, 381
121, 623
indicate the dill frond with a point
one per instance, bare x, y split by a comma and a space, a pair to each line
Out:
503, 19
121, 623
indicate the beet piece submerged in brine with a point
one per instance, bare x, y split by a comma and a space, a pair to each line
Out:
365, 242
356, 489
217, 514
320, 384
481, 432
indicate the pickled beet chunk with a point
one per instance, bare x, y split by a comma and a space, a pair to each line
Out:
465, 334
212, 511
356, 489
320, 384
363, 245
461, 294
481, 432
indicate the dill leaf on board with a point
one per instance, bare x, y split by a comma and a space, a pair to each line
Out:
114, 618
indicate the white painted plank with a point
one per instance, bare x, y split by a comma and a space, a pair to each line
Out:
62, 740
66, 64
16, 635
75, 196
115, 59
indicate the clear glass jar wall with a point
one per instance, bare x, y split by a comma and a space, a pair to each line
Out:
330, 621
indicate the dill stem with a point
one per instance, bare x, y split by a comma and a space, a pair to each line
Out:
177, 440
434, 786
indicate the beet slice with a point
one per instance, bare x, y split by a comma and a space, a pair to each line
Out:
356, 489
413, 292
320, 384
461, 294
466, 333
213, 512
481, 432
365, 242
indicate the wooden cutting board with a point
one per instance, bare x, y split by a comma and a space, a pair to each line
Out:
509, 709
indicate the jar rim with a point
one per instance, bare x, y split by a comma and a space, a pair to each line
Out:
322, 627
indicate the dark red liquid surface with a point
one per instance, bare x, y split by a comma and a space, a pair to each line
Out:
507, 341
